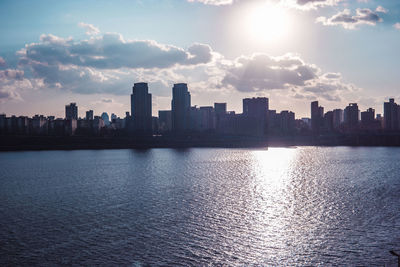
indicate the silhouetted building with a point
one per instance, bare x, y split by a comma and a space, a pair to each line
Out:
317, 115
286, 122
219, 110
368, 116
351, 116
194, 118
337, 118
165, 120
105, 118
180, 106
89, 115
391, 114
239, 125
257, 107
328, 121
141, 109
71, 111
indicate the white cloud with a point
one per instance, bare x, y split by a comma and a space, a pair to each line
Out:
262, 73
381, 9
2, 62
348, 21
397, 25
214, 2
309, 4
90, 29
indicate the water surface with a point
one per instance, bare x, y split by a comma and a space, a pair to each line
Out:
281, 206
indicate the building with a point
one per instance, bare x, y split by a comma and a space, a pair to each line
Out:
180, 106
105, 118
337, 118
71, 111
219, 110
89, 115
141, 109
328, 121
351, 116
368, 116
391, 115
257, 107
317, 115
164, 121
207, 122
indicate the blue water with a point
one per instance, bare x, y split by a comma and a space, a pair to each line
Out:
280, 207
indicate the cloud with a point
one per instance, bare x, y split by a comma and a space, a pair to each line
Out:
12, 80
90, 29
309, 4
397, 25
381, 9
2, 62
348, 21
214, 2
111, 51
261, 73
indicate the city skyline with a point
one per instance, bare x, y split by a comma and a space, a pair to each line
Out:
292, 52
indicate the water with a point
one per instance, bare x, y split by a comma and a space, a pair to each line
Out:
281, 206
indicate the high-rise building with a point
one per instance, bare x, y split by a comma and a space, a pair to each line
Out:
71, 111
368, 116
164, 120
141, 109
105, 118
220, 111
317, 115
257, 108
220, 108
337, 118
180, 106
89, 115
351, 115
391, 115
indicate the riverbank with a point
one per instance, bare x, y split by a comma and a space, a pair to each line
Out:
18, 143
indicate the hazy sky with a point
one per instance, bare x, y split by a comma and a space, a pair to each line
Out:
292, 51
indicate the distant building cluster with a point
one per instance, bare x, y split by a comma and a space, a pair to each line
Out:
183, 119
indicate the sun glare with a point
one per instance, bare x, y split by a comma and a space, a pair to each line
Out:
268, 22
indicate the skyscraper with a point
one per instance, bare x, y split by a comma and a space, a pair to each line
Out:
105, 118
258, 109
337, 118
71, 111
141, 108
351, 115
391, 114
89, 115
180, 106
317, 115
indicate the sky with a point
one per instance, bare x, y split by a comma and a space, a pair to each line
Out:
293, 51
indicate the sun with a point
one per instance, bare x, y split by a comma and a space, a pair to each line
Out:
268, 22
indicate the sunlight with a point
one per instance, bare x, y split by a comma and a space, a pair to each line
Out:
273, 166
268, 22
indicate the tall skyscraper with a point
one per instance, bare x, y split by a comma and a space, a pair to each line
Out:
220, 111
89, 115
368, 116
258, 109
105, 118
317, 115
351, 115
337, 118
141, 108
180, 106
391, 115
71, 111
